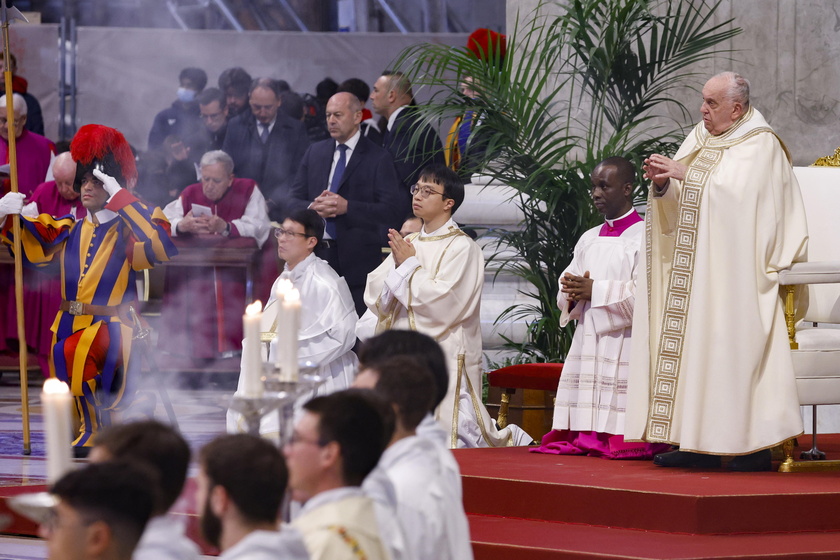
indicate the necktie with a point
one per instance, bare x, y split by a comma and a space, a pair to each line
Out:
264, 134
340, 165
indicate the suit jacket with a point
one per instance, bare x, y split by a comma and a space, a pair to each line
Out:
410, 160
273, 164
374, 202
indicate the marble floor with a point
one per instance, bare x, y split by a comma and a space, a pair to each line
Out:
199, 401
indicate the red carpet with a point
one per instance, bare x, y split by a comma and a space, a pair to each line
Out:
531, 506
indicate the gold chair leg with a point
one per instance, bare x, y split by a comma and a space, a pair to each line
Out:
504, 407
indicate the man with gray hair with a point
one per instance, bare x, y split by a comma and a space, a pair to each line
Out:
710, 366
221, 207
34, 152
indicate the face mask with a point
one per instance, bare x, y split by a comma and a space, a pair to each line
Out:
186, 95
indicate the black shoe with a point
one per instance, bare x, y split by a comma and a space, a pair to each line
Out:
81, 452
754, 462
686, 459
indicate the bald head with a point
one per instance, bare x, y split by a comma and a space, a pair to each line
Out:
344, 113
64, 172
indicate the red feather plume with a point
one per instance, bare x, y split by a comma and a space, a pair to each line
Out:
486, 43
94, 141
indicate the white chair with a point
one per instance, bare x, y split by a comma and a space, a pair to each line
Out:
815, 339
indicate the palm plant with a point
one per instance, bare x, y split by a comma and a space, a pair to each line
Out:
588, 82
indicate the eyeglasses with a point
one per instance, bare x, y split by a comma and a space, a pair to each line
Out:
425, 192
280, 233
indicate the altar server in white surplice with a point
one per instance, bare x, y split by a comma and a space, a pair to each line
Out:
432, 283
428, 504
710, 367
336, 443
598, 291
328, 317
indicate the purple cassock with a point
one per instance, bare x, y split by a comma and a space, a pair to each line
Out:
202, 309
42, 286
34, 154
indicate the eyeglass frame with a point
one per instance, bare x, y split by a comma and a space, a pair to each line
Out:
280, 233
425, 192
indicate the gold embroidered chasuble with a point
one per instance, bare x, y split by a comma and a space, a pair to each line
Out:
710, 366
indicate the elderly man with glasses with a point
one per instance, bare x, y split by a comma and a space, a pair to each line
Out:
328, 316
202, 311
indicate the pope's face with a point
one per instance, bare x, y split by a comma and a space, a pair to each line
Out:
718, 110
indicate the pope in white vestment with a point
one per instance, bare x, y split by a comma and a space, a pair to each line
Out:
710, 368
438, 292
327, 332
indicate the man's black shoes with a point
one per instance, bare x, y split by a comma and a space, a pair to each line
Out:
754, 462
686, 459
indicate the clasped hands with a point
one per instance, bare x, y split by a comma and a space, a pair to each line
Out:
329, 204
660, 170
577, 288
401, 248
201, 224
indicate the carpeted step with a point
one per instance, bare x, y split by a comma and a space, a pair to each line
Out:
638, 495
500, 538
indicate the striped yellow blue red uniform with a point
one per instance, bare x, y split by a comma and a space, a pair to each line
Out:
98, 267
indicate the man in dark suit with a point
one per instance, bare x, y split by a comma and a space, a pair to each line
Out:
266, 145
352, 183
412, 143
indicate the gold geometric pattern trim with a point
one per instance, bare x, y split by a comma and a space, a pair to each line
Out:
678, 297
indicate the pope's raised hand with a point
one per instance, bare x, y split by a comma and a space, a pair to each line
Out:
110, 184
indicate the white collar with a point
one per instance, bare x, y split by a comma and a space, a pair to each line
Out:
330, 496
441, 230
104, 216
393, 118
614, 220
352, 141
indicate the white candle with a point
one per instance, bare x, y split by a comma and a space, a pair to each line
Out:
56, 403
287, 335
284, 286
252, 385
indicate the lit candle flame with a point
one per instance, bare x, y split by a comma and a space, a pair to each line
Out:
283, 287
254, 308
54, 386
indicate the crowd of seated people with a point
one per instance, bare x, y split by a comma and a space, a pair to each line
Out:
274, 151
